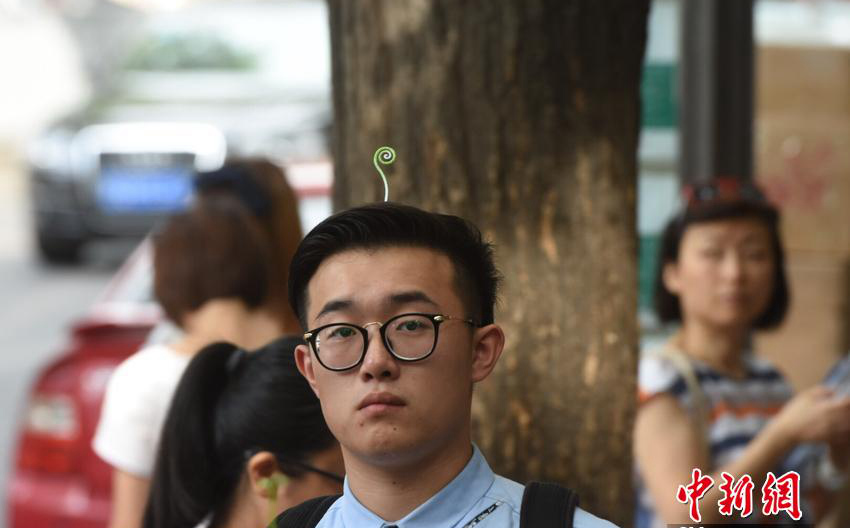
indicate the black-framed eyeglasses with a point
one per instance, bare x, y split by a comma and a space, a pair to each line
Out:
288, 464
407, 336
292, 467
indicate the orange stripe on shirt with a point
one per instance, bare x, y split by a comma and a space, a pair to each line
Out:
743, 411
721, 408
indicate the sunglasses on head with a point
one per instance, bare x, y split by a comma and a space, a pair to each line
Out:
722, 189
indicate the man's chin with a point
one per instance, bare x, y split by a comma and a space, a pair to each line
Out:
385, 447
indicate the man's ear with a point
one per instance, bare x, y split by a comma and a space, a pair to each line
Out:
265, 476
489, 341
670, 277
304, 362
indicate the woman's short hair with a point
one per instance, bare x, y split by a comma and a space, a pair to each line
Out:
707, 204
213, 250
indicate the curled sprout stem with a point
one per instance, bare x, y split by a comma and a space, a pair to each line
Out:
384, 156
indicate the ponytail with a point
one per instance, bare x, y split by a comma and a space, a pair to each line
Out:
227, 405
187, 482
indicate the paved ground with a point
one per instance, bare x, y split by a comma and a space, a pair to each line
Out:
39, 303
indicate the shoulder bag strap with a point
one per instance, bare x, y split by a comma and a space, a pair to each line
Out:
547, 505
700, 409
305, 515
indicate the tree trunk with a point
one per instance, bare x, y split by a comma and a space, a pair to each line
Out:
523, 116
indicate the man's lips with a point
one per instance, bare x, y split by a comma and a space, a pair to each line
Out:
380, 398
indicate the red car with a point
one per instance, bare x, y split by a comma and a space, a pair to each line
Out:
57, 479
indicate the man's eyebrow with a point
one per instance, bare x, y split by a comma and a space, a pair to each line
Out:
337, 305
409, 297
396, 299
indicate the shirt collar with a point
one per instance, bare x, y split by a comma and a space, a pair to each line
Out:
446, 508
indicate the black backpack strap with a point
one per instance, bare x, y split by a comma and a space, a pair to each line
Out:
305, 515
546, 505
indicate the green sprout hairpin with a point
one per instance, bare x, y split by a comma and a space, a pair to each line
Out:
385, 156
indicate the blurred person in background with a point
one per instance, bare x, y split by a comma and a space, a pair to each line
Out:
705, 400
212, 277
262, 187
244, 439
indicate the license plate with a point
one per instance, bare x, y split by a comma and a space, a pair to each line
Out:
144, 189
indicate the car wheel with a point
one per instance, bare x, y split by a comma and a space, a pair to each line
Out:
55, 250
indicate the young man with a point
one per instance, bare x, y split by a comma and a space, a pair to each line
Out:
399, 306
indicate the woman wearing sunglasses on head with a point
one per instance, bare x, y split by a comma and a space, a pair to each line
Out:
243, 440
706, 401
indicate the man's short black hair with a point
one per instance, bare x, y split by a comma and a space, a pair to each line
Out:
667, 305
388, 224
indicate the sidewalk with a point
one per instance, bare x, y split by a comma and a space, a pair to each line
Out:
15, 220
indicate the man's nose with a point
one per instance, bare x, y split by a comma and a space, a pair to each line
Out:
378, 362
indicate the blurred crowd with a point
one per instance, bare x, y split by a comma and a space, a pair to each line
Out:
326, 380
212, 424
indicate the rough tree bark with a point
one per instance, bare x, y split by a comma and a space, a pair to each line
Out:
523, 116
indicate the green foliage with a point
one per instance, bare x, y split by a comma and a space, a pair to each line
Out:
189, 51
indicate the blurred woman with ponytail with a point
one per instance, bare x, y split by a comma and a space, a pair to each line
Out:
243, 440
212, 276
263, 188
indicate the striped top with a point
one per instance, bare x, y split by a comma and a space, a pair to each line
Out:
737, 409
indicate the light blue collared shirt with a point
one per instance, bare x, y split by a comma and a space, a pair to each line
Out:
473, 493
